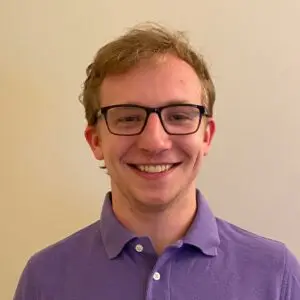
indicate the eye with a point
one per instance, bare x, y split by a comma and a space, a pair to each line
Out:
129, 119
179, 116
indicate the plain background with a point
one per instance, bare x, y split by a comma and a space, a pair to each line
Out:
51, 185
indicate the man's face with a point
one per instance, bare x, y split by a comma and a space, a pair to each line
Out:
152, 83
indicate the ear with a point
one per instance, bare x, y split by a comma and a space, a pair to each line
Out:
209, 132
92, 136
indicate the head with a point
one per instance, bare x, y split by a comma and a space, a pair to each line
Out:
157, 163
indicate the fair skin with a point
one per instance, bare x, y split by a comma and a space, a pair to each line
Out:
158, 205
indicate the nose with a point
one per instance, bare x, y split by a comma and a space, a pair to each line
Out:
154, 138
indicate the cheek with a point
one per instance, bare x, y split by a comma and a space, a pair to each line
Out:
115, 148
193, 146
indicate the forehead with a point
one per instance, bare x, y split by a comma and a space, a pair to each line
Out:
153, 82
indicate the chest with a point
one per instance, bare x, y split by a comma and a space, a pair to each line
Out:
172, 277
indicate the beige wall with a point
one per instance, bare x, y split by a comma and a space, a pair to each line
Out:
50, 184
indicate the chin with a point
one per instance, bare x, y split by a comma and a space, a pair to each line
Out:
154, 199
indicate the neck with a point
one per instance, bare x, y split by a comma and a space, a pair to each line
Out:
163, 226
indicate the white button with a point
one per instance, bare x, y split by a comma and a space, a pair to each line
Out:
156, 276
139, 248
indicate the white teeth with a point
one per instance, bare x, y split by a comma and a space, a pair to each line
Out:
153, 168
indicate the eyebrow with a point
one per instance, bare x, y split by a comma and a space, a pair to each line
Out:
169, 102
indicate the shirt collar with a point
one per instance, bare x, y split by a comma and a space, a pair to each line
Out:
115, 236
203, 233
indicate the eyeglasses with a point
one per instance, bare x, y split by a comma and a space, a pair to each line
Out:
131, 119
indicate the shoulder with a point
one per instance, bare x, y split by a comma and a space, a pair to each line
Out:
52, 268
265, 260
233, 236
73, 248
250, 249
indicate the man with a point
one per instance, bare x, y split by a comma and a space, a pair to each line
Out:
149, 100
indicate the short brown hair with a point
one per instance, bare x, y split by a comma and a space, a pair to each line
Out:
141, 42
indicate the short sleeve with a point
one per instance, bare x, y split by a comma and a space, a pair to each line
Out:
291, 277
26, 288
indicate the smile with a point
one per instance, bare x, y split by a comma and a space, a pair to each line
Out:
154, 168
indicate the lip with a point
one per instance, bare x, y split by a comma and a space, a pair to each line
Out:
154, 176
154, 163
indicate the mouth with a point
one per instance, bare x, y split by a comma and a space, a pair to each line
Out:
154, 168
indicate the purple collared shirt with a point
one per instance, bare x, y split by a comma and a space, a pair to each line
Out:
214, 261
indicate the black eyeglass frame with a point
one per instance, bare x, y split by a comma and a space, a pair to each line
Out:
149, 110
